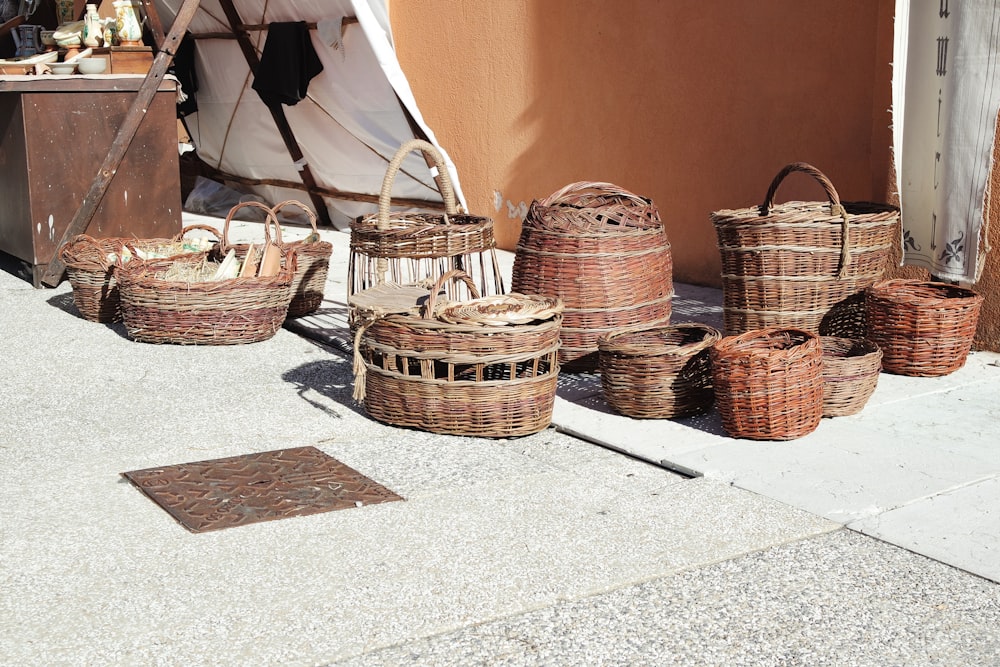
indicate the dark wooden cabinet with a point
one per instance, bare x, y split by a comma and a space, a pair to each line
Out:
54, 136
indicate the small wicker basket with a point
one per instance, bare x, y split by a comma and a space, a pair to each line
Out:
769, 383
604, 251
223, 312
313, 256
850, 374
658, 372
90, 267
923, 328
457, 368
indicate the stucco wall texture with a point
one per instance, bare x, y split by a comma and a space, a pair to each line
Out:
696, 104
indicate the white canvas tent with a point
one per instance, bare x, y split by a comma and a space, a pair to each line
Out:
356, 114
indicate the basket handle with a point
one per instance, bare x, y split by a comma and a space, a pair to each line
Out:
190, 228
308, 211
447, 189
428, 310
268, 221
836, 208
602, 187
85, 240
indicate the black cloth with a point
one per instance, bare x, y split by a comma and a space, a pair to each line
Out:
287, 64
182, 67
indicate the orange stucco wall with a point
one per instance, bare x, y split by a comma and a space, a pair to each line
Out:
693, 103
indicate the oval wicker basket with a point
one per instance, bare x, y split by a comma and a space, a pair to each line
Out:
313, 257
769, 383
417, 248
223, 312
923, 328
472, 378
658, 372
850, 374
604, 252
91, 272
803, 265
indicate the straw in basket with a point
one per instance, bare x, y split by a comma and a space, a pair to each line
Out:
803, 265
90, 267
658, 372
850, 374
769, 383
483, 368
220, 312
604, 251
406, 249
923, 328
313, 257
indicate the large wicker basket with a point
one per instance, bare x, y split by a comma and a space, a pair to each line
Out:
769, 383
484, 367
658, 372
90, 266
923, 328
604, 252
403, 249
803, 265
223, 312
850, 374
313, 257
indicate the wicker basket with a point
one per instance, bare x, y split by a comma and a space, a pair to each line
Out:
658, 372
923, 328
605, 253
476, 377
91, 269
313, 257
850, 374
769, 383
224, 312
417, 248
803, 265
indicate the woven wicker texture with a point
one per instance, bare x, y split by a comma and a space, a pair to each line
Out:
803, 265
223, 312
412, 248
658, 372
604, 252
313, 257
92, 275
768, 383
850, 374
923, 328
463, 379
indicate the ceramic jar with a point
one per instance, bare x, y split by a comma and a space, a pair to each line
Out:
129, 28
93, 27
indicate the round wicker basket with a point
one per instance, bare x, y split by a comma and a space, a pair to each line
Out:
850, 374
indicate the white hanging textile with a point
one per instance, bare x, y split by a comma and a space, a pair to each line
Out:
946, 93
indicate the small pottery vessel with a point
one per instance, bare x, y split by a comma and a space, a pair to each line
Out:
129, 28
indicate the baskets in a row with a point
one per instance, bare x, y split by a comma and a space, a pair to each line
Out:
777, 383
124, 279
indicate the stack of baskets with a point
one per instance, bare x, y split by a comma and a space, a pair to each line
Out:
803, 265
410, 251
604, 252
159, 309
482, 367
90, 266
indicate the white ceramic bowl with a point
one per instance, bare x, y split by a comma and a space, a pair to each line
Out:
63, 68
92, 65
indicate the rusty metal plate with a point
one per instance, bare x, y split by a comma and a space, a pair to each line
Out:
235, 491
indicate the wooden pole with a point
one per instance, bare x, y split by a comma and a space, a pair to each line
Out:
126, 133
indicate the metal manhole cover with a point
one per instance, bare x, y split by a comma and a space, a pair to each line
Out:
235, 491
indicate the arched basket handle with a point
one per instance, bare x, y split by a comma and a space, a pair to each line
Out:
268, 221
455, 274
428, 149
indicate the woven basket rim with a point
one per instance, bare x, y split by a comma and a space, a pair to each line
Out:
769, 342
611, 341
922, 291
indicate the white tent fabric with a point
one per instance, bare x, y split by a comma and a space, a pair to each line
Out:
348, 127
